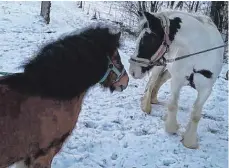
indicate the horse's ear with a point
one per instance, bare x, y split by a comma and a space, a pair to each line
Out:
148, 16
140, 14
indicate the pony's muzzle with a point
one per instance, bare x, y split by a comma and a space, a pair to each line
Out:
122, 83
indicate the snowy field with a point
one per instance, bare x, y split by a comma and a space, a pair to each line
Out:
112, 131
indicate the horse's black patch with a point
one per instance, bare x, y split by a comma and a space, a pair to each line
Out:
191, 80
65, 68
205, 73
174, 26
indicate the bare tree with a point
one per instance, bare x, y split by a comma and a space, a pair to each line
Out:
45, 10
192, 6
80, 4
217, 14
144, 5
154, 6
197, 6
172, 4
139, 6
179, 5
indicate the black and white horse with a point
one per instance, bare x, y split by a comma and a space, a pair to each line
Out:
169, 35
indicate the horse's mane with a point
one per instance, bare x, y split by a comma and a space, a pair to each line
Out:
65, 68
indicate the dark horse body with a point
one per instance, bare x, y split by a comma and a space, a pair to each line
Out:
39, 107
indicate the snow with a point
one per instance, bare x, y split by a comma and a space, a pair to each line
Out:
112, 131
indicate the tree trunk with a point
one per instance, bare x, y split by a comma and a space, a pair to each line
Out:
197, 6
167, 4
172, 4
45, 10
216, 13
192, 6
143, 5
154, 6
80, 4
139, 6
179, 5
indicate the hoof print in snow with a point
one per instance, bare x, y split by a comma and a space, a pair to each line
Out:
168, 162
114, 156
125, 145
141, 132
132, 117
90, 124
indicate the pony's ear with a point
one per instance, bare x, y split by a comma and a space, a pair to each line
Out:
117, 36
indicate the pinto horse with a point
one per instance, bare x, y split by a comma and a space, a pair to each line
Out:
39, 107
166, 36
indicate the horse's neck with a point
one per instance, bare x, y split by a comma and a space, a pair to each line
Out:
185, 40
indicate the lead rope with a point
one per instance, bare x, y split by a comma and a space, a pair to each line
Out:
189, 55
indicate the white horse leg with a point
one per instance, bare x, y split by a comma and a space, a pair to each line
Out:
20, 164
163, 78
190, 136
171, 125
146, 100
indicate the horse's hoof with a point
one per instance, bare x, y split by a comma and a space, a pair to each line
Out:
190, 143
146, 109
154, 101
171, 128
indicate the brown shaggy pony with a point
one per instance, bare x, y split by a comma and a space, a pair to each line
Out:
39, 107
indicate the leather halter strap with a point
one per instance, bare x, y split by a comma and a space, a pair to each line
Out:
112, 67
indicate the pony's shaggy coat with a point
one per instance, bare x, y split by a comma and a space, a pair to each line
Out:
39, 107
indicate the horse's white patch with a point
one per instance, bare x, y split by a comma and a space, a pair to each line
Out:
134, 69
197, 33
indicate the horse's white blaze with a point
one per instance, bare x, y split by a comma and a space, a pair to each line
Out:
134, 69
197, 33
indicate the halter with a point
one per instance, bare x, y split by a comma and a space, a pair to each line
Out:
112, 67
157, 58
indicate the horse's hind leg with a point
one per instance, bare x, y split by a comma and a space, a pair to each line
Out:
163, 78
146, 100
190, 136
44, 159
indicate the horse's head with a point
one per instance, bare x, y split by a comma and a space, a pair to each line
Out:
116, 77
148, 43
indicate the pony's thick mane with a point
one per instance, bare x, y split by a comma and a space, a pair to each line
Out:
65, 68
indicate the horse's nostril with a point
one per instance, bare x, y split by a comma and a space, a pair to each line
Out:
122, 88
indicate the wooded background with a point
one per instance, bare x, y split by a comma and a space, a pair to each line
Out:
125, 13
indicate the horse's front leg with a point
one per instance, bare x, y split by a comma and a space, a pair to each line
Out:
190, 136
171, 125
146, 99
160, 81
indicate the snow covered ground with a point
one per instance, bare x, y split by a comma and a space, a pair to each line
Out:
112, 131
